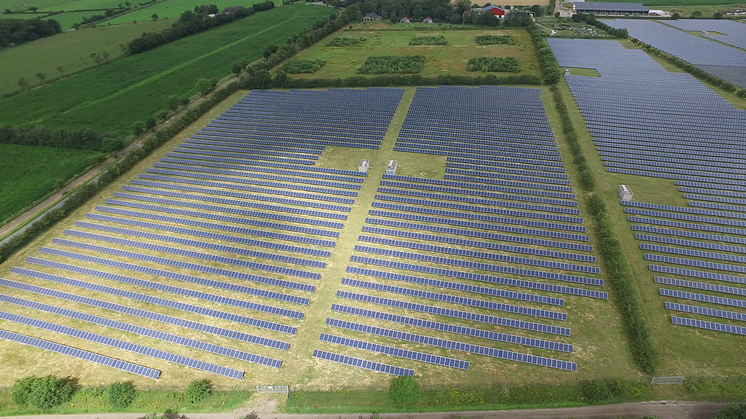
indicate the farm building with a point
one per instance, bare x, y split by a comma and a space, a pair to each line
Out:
611, 8
497, 11
404, 20
427, 20
370, 16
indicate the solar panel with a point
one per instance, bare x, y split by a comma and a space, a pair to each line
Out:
705, 311
361, 363
702, 324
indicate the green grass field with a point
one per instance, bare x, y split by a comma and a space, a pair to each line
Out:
30, 173
173, 9
69, 50
56, 5
113, 96
440, 59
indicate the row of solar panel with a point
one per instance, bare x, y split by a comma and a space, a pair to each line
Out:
470, 185
693, 253
683, 209
445, 189
484, 245
617, 150
461, 287
141, 297
487, 168
716, 199
481, 146
690, 243
706, 170
699, 173
699, 285
710, 185
481, 159
143, 331
693, 234
702, 298
197, 223
186, 152
480, 226
235, 151
232, 194
162, 318
517, 132
361, 363
473, 254
306, 150
724, 314
701, 324
451, 170
296, 138
672, 176
508, 183
448, 344
218, 217
127, 346
488, 210
296, 173
688, 226
696, 263
739, 208
230, 140
375, 133
470, 216
280, 208
480, 234
698, 274
483, 278
411, 146
252, 182
230, 135
618, 141
622, 158
259, 176
80, 354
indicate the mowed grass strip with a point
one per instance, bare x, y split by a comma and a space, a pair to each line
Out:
113, 96
69, 50
172, 9
28, 173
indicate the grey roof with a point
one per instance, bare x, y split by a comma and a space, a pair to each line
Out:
612, 7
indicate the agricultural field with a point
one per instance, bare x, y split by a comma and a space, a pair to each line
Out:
28, 174
69, 50
439, 59
135, 87
57, 5
171, 9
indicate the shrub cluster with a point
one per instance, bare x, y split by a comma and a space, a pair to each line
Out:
302, 66
345, 41
735, 411
86, 138
404, 390
197, 391
190, 23
429, 40
18, 31
392, 64
121, 394
43, 392
493, 64
547, 59
494, 40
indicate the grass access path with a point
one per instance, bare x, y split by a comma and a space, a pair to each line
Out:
113, 96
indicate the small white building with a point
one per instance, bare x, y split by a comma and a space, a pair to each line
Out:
625, 193
391, 167
427, 20
405, 20
363, 166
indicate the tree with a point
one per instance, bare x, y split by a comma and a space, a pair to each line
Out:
43, 393
183, 102
463, 6
734, 411
41, 77
488, 19
717, 15
204, 86
151, 122
697, 13
172, 102
138, 127
105, 55
675, 15
556, 14
154, 16
96, 58
197, 391
237, 68
127, 4
22, 83
537, 10
270, 50
61, 70
405, 390
281, 78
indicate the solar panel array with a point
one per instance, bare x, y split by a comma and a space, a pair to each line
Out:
500, 177
670, 125
233, 224
727, 31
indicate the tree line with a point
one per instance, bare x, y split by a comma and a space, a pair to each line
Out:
18, 31
193, 22
64, 138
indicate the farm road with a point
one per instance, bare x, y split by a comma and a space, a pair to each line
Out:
658, 409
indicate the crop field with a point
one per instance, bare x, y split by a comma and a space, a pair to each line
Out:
705, 252
29, 173
70, 50
135, 87
212, 169
172, 9
56, 5
439, 59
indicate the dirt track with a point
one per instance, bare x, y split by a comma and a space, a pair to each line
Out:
659, 409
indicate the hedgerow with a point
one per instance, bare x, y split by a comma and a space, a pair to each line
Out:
429, 40
392, 64
411, 80
345, 41
302, 66
494, 40
493, 64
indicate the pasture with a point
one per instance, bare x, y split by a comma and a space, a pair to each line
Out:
28, 174
57, 5
439, 59
69, 50
135, 87
172, 9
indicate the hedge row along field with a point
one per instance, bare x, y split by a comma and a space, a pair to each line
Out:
391, 64
134, 88
493, 64
494, 40
302, 66
429, 40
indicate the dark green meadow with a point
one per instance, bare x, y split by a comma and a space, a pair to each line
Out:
113, 96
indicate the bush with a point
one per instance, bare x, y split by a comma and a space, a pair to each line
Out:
494, 40
197, 391
121, 394
391, 64
735, 411
302, 66
493, 64
151, 122
405, 390
429, 40
43, 393
345, 41
595, 391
